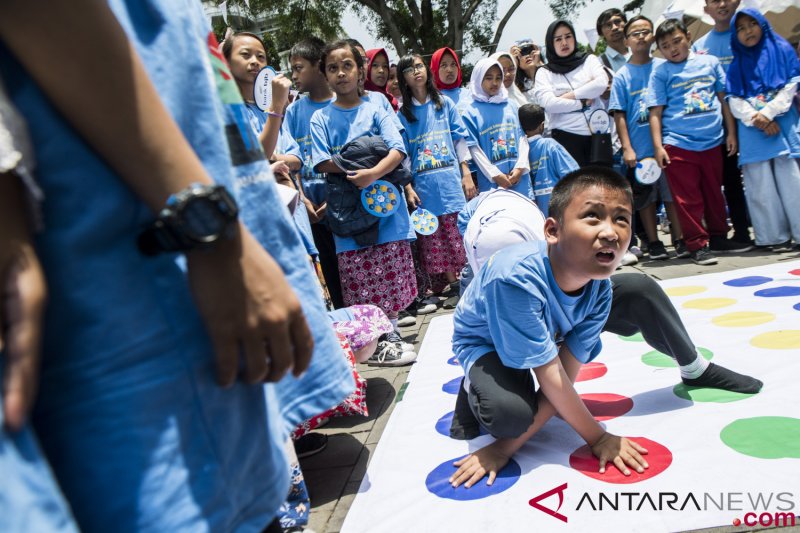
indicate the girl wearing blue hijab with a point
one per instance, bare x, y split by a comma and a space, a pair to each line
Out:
761, 83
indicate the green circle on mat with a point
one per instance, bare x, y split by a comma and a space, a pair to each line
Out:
706, 395
765, 437
662, 360
633, 338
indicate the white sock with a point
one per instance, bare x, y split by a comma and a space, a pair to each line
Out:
694, 369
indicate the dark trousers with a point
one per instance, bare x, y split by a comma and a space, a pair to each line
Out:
578, 146
734, 194
323, 239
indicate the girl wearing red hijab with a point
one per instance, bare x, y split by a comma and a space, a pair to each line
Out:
378, 74
447, 75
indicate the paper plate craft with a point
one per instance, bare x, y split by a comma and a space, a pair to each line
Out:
424, 222
647, 171
262, 88
600, 122
380, 199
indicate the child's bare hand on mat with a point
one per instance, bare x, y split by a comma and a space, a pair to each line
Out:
620, 451
475, 466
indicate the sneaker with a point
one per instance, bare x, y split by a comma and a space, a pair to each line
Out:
704, 257
430, 300
395, 338
452, 289
635, 250
656, 250
390, 354
723, 245
742, 238
310, 444
783, 247
422, 308
405, 319
451, 302
681, 252
629, 259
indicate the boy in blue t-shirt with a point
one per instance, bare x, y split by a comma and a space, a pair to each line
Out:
686, 97
549, 160
541, 306
628, 105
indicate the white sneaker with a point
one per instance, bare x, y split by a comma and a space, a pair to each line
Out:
395, 338
426, 309
390, 354
629, 259
405, 319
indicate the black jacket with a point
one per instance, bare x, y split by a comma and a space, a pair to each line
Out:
346, 215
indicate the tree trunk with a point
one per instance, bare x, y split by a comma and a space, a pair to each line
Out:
500, 27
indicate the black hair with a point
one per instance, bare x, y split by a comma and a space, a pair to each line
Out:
430, 86
309, 49
668, 27
531, 116
637, 18
227, 46
581, 179
346, 45
354, 42
606, 15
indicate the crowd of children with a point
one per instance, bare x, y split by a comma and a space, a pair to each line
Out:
510, 164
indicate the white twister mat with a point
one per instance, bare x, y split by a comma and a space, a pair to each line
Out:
716, 458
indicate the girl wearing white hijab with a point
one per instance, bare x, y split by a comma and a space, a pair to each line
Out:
501, 148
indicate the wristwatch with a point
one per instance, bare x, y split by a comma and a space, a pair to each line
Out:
194, 218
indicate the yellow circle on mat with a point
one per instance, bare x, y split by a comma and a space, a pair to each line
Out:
743, 319
709, 303
785, 339
685, 290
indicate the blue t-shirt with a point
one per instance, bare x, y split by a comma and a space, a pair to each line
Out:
331, 128
549, 163
692, 115
430, 144
629, 94
515, 307
129, 405
756, 146
285, 145
382, 102
460, 97
717, 44
298, 123
495, 128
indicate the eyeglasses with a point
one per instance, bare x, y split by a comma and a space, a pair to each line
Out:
414, 68
640, 34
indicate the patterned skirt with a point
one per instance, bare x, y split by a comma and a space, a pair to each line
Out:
444, 250
381, 275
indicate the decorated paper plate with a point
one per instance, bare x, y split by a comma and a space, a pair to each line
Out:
262, 88
647, 171
600, 122
424, 222
380, 199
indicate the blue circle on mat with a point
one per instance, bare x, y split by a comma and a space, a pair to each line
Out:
438, 484
451, 387
453, 361
778, 291
747, 281
443, 425
796, 306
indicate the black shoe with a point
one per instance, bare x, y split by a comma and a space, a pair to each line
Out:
310, 444
681, 252
743, 238
656, 250
783, 247
404, 318
704, 257
451, 302
722, 245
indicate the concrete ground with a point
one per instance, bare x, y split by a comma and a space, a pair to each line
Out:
334, 475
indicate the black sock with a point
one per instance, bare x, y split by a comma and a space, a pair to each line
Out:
719, 377
464, 425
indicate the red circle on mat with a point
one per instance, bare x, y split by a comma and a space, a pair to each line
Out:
796, 272
607, 406
658, 457
591, 371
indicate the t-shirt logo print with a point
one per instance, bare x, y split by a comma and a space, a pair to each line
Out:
698, 100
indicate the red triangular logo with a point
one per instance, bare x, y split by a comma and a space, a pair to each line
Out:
558, 490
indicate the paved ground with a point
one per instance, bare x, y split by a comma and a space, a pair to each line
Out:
334, 475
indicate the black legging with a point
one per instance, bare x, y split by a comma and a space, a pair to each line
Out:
578, 146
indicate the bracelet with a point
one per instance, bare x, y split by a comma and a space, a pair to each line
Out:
273, 114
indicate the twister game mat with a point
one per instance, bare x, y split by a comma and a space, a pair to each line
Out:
716, 458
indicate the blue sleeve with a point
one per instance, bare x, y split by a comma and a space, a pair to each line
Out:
516, 325
320, 146
387, 106
472, 128
286, 143
563, 161
457, 128
389, 131
584, 339
619, 95
657, 88
719, 75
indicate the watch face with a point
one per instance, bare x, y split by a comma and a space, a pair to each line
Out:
202, 219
